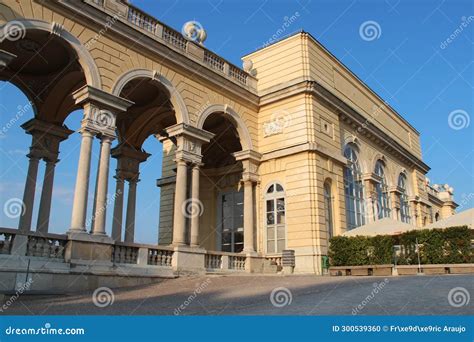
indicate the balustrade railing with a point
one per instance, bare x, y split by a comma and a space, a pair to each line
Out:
237, 262
213, 261
6, 241
214, 61
237, 74
160, 257
123, 254
139, 19
174, 38
46, 247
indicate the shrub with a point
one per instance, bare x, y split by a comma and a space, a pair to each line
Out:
437, 246
360, 250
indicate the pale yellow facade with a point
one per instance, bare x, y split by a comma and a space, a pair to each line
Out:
285, 119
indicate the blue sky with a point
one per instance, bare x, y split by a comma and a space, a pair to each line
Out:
409, 64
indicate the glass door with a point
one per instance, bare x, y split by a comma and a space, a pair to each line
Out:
231, 220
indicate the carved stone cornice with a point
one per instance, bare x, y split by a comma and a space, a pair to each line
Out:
364, 125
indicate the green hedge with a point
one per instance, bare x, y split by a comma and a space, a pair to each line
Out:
437, 246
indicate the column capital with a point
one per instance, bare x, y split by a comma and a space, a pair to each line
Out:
250, 161
188, 141
128, 160
46, 138
100, 109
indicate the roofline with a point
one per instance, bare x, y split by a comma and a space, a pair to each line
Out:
302, 32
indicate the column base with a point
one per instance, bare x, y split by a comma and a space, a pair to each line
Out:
86, 248
188, 260
253, 262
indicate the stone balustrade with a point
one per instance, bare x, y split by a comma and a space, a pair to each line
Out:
213, 261
160, 256
237, 262
125, 254
46, 246
6, 240
275, 260
174, 39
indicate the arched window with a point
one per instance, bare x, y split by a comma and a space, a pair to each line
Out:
328, 207
404, 206
437, 217
353, 190
382, 207
275, 218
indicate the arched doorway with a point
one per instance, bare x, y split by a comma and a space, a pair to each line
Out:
226, 189
146, 120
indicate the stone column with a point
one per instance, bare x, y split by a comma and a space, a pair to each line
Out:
179, 229
46, 196
131, 203
29, 194
248, 217
196, 206
79, 207
102, 183
118, 210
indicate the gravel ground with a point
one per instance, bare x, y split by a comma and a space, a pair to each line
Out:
267, 295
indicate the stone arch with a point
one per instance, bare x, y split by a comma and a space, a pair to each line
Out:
85, 59
387, 166
231, 114
177, 101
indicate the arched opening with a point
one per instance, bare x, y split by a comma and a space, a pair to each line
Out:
141, 160
275, 219
403, 199
47, 69
382, 205
329, 209
353, 189
221, 192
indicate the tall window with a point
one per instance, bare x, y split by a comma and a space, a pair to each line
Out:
328, 209
382, 207
275, 219
353, 190
404, 206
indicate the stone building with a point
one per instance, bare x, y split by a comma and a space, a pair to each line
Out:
282, 154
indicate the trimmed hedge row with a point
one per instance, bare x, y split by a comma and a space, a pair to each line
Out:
437, 246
